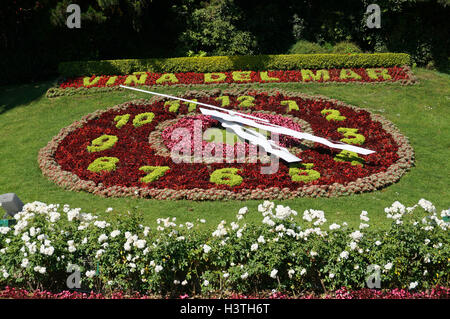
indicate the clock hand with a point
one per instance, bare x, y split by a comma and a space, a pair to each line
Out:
243, 118
286, 131
258, 139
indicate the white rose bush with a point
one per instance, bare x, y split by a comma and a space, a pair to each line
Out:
287, 252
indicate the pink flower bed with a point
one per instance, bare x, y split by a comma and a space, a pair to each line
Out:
343, 293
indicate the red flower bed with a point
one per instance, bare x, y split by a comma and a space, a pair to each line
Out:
66, 158
362, 75
436, 293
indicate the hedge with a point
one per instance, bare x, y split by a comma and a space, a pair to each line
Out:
230, 63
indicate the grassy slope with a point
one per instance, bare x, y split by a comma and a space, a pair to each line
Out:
28, 120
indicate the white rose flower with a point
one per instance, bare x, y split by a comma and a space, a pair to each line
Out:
115, 233
102, 238
40, 269
140, 243
334, 226
243, 211
273, 273
356, 235
101, 224
25, 263
291, 272
206, 248
344, 254
99, 253
413, 285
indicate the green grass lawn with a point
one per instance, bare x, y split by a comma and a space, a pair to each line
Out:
28, 120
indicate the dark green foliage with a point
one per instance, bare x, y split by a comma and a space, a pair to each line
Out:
216, 30
34, 37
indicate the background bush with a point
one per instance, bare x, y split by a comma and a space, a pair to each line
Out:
346, 47
34, 37
306, 47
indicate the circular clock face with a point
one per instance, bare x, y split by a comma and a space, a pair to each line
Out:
166, 149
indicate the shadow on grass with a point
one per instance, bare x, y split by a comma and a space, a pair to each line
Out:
17, 95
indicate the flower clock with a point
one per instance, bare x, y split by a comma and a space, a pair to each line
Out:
167, 149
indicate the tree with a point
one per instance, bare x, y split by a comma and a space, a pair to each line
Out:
217, 29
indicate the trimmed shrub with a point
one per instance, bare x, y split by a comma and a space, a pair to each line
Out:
229, 63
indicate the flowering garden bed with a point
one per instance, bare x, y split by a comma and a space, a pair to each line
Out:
435, 293
126, 150
401, 74
311, 257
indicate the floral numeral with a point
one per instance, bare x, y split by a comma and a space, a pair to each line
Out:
348, 156
143, 118
192, 106
225, 100
226, 176
153, 173
246, 101
121, 120
351, 136
292, 105
305, 174
173, 105
333, 115
102, 143
107, 164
